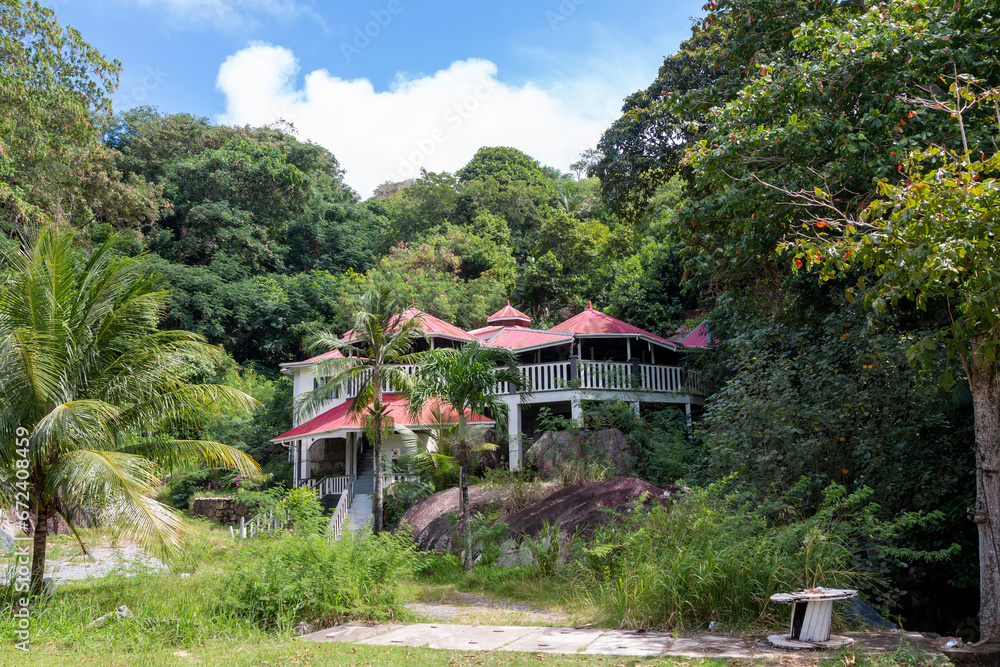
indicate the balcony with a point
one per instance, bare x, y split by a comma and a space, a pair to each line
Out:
591, 376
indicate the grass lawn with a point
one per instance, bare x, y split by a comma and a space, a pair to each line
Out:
188, 620
285, 652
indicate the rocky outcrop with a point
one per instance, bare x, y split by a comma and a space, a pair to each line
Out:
580, 508
220, 510
432, 520
557, 448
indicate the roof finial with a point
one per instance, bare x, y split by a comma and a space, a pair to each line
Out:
590, 305
508, 302
413, 301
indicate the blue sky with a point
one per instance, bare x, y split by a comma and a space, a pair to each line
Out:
391, 86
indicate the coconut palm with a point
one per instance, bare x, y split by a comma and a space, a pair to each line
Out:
381, 339
93, 391
467, 380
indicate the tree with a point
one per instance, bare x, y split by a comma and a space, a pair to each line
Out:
929, 242
379, 340
54, 98
467, 381
93, 391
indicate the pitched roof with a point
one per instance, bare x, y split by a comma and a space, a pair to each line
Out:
485, 333
430, 325
699, 337
593, 322
339, 418
519, 338
510, 316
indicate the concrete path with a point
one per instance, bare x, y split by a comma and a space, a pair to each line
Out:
587, 641
102, 561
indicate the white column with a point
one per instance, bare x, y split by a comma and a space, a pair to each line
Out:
296, 458
576, 409
348, 453
514, 430
687, 410
635, 408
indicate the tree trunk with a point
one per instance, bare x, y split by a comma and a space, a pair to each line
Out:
377, 501
985, 386
42, 512
466, 528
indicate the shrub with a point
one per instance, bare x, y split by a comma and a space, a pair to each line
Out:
713, 557
280, 581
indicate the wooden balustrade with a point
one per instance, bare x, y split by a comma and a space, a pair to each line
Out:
602, 375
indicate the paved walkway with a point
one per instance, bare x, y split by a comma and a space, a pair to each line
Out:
591, 641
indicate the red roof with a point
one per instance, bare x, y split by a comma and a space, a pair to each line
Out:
510, 316
519, 338
485, 333
332, 354
339, 417
594, 322
429, 324
698, 338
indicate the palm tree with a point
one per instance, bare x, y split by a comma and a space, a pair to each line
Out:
467, 380
94, 391
370, 353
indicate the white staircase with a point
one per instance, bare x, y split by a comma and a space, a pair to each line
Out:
360, 516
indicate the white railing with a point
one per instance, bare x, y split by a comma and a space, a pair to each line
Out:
397, 478
330, 484
339, 517
604, 375
259, 524
661, 378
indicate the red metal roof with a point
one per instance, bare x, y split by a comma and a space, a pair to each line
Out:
485, 333
592, 321
518, 338
510, 316
339, 417
427, 323
332, 354
698, 338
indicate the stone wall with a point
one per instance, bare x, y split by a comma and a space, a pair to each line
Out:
220, 510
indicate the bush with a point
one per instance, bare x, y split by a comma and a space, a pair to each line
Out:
714, 557
280, 581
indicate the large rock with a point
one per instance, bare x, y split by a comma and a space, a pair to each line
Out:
554, 449
430, 519
578, 508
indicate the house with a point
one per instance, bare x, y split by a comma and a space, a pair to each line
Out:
589, 357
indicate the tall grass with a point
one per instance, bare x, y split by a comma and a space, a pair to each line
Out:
709, 558
245, 592
280, 581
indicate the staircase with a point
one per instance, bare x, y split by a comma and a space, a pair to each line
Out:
360, 515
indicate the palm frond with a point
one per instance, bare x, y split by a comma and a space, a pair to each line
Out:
178, 455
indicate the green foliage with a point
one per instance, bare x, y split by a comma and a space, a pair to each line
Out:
461, 277
488, 536
305, 513
714, 557
55, 89
837, 401
277, 582
96, 392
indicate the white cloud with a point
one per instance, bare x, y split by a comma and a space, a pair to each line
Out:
230, 15
436, 121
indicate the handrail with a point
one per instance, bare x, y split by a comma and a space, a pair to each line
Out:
339, 517
601, 375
